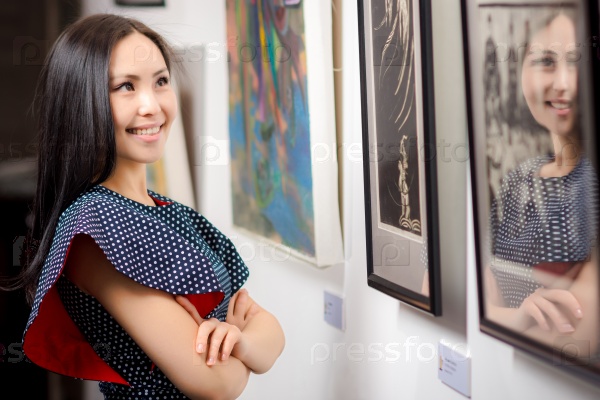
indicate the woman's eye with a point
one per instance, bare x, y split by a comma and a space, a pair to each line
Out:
544, 61
162, 81
127, 86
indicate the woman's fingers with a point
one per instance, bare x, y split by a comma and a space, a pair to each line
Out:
241, 303
189, 307
232, 337
241, 309
204, 331
217, 339
552, 304
231, 305
252, 310
565, 299
534, 311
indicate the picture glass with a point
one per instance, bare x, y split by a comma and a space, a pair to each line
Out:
397, 123
535, 176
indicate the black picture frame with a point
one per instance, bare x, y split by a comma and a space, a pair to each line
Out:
140, 3
400, 175
509, 148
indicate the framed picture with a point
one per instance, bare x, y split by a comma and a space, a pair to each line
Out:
532, 129
399, 151
145, 3
282, 130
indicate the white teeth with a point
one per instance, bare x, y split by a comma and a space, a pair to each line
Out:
150, 131
560, 106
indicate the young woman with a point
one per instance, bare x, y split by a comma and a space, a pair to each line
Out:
129, 288
543, 274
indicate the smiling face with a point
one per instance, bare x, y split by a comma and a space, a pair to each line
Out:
549, 76
142, 100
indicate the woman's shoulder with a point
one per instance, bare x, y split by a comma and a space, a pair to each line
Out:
91, 200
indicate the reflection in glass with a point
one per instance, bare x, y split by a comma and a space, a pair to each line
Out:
542, 276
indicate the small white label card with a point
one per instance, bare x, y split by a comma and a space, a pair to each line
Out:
454, 367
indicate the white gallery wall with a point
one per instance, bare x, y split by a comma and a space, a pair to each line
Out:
387, 350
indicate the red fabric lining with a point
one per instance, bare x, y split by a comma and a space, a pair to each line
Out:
160, 202
205, 302
54, 342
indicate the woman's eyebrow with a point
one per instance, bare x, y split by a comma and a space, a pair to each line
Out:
545, 52
136, 77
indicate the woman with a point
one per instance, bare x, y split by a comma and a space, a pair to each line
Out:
133, 289
543, 221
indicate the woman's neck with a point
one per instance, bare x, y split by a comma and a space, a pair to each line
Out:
130, 181
567, 153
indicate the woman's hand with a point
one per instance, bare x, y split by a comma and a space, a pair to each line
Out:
249, 334
557, 305
214, 337
241, 309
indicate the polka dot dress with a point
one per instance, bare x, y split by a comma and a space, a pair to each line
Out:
541, 220
169, 247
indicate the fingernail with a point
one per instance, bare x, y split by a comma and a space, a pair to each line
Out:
579, 313
223, 356
566, 328
210, 361
200, 348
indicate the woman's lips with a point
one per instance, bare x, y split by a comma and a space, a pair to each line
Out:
560, 107
147, 135
145, 130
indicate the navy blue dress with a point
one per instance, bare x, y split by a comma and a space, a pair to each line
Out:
169, 247
541, 222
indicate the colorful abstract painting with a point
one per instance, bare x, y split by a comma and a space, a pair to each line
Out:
269, 123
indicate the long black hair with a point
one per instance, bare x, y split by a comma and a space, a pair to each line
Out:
76, 132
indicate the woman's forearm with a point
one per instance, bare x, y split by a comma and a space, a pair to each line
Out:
263, 342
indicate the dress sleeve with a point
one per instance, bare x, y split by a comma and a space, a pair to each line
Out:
223, 248
145, 247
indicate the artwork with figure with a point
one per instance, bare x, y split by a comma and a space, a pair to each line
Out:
397, 141
400, 167
272, 184
538, 194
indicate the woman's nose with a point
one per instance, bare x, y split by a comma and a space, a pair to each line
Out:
148, 103
563, 77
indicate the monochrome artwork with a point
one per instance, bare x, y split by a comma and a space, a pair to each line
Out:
396, 138
398, 131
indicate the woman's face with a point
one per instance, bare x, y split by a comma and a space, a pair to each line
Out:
549, 77
142, 100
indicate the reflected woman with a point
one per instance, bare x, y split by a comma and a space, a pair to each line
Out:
542, 279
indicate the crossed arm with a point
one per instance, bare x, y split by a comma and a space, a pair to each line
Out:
562, 314
169, 333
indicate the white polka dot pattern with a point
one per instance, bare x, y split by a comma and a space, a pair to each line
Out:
541, 220
110, 341
168, 247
